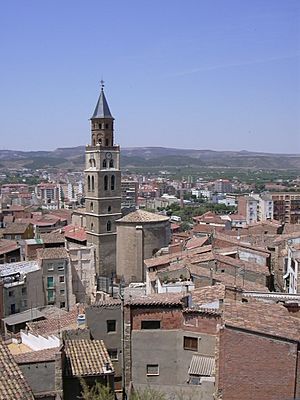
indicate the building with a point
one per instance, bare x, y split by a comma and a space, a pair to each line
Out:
140, 234
265, 206
102, 188
247, 206
129, 194
49, 194
21, 287
9, 251
286, 207
57, 277
223, 186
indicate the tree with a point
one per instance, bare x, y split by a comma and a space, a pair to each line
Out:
96, 392
147, 394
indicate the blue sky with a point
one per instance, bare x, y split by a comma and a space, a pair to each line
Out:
205, 74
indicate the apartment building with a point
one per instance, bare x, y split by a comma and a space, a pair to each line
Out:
286, 207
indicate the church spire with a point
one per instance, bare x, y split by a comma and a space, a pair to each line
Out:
102, 110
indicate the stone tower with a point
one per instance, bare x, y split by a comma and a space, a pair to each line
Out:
102, 187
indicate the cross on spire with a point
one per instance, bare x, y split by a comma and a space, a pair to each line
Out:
102, 84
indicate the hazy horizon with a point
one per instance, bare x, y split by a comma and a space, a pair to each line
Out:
223, 76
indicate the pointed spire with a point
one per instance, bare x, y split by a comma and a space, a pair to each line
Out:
102, 110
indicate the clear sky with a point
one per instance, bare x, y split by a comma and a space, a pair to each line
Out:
202, 74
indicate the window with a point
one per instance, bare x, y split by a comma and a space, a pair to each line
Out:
89, 183
111, 164
11, 293
152, 369
150, 324
92, 206
50, 296
62, 292
106, 126
93, 183
112, 184
50, 267
12, 308
61, 267
106, 142
92, 227
109, 209
50, 282
190, 343
61, 279
104, 164
105, 182
62, 304
111, 325
113, 354
108, 226
24, 290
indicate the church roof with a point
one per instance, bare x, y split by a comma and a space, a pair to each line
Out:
143, 216
102, 110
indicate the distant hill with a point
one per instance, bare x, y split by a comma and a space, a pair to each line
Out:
73, 157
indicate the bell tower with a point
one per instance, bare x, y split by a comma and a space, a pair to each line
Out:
102, 187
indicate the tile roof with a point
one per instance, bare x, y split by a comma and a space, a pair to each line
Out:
56, 323
15, 227
208, 294
196, 242
13, 385
75, 232
156, 299
271, 319
52, 253
52, 237
86, 357
142, 216
36, 356
7, 246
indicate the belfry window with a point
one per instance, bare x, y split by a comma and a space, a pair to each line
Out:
104, 164
93, 183
108, 226
112, 182
92, 227
105, 182
89, 183
92, 206
109, 209
111, 163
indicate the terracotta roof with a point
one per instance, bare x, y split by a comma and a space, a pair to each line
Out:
237, 217
36, 356
55, 324
209, 218
53, 237
15, 227
6, 246
271, 319
196, 242
245, 265
230, 239
13, 385
208, 294
86, 357
75, 232
156, 299
142, 216
52, 253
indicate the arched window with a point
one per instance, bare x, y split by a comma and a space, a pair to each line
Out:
109, 209
92, 162
106, 126
93, 184
89, 183
92, 227
108, 226
99, 139
104, 164
112, 182
92, 206
94, 141
105, 182
111, 163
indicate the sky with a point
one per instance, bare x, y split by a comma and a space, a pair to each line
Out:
193, 74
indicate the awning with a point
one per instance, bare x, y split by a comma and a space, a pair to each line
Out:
201, 365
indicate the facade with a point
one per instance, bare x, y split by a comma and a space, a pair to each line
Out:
140, 234
286, 207
21, 287
247, 206
57, 277
102, 188
223, 186
265, 207
129, 194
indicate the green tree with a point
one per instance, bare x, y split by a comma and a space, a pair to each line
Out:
96, 392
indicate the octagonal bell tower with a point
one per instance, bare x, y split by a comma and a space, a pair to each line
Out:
102, 187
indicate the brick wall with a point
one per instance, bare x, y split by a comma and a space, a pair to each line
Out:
252, 366
170, 318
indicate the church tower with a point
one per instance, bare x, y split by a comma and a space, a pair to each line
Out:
102, 187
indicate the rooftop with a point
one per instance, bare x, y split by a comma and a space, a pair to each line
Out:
87, 358
7, 246
15, 228
13, 385
52, 253
22, 267
141, 216
36, 356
